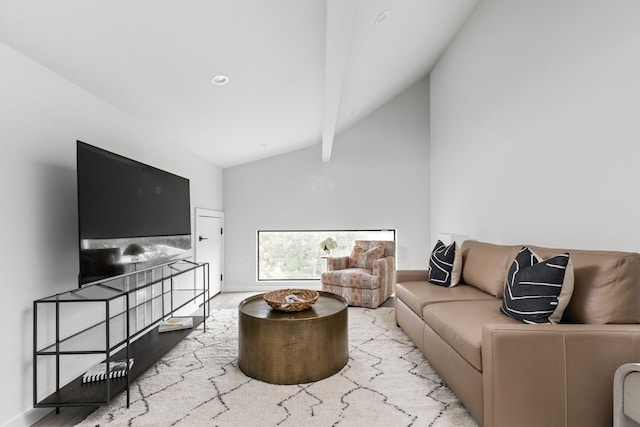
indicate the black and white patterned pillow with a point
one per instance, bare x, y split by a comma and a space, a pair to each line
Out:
445, 265
538, 291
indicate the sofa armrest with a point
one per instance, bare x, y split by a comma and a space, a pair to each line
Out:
337, 263
412, 276
553, 374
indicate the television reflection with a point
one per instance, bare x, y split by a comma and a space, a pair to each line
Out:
102, 259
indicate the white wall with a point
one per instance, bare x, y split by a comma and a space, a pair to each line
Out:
42, 115
535, 128
379, 171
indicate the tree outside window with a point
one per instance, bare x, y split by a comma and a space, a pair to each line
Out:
298, 255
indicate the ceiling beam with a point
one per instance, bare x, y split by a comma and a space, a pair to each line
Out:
340, 15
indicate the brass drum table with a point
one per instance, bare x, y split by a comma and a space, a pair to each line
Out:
293, 347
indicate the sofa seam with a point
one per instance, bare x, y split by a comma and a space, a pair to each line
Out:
615, 293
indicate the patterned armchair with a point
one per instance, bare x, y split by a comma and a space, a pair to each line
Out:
366, 277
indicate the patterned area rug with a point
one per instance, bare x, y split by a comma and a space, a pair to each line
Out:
386, 382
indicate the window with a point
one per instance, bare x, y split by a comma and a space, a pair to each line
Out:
297, 255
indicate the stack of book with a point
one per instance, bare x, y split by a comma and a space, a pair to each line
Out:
98, 372
176, 323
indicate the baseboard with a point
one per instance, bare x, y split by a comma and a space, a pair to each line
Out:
27, 418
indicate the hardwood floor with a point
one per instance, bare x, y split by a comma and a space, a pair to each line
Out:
73, 415
229, 299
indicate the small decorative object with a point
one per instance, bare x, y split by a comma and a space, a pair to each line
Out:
291, 299
327, 245
175, 324
98, 372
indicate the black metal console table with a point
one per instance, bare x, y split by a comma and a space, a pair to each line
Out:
115, 319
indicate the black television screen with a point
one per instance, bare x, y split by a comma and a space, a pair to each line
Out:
130, 215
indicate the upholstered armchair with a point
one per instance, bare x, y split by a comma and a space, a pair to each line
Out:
626, 394
366, 277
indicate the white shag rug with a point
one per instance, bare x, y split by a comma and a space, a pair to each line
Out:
386, 382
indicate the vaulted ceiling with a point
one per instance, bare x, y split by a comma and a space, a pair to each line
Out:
300, 71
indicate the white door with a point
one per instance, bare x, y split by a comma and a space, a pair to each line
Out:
208, 248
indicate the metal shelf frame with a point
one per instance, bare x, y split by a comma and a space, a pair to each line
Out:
144, 344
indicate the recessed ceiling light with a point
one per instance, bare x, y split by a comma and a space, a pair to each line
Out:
219, 80
383, 16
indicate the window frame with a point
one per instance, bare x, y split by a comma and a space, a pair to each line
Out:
324, 231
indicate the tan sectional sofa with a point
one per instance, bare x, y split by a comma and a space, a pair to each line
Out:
508, 373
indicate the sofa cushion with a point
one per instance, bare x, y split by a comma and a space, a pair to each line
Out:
484, 265
363, 258
445, 264
459, 323
606, 286
537, 290
351, 277
417, 294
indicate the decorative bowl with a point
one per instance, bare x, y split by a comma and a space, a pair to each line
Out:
291, 299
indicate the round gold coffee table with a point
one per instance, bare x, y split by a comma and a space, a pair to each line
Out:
293, 347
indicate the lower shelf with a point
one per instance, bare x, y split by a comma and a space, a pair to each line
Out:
145, 351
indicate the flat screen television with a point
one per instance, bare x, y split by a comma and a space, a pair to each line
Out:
131, 216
